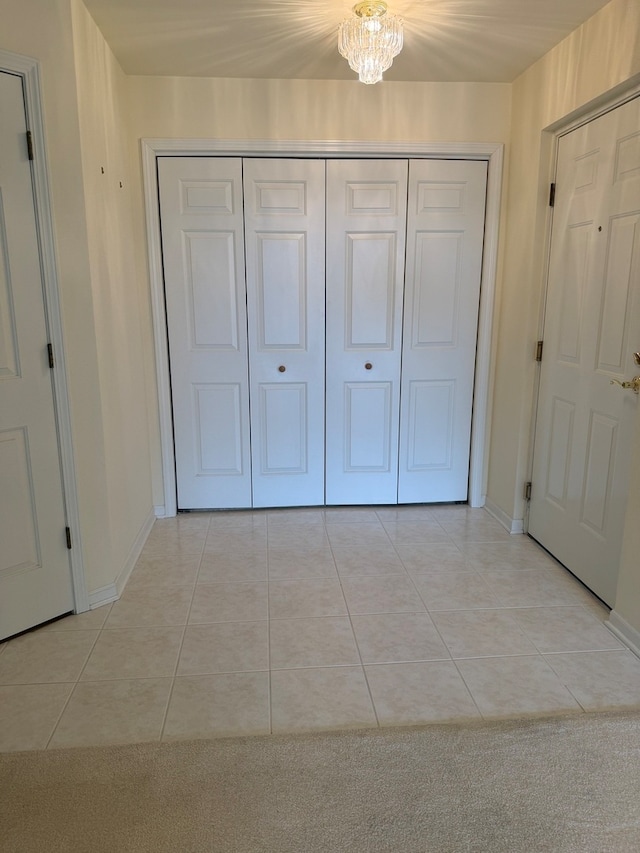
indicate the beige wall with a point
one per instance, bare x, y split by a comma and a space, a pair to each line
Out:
196, 107
601, 56
119, 291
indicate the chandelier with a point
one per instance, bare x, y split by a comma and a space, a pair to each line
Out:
370, 39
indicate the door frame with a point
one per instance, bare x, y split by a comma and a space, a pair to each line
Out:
28, 70
491, 152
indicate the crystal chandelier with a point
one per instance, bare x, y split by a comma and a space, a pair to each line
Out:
370, 39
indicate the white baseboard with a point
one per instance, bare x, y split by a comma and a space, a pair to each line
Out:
113, 591
160, 511
102, 596
511, 525
625, 632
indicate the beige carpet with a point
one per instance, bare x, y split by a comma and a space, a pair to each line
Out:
565, 784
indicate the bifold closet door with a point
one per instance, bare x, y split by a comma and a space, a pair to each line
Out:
445, 233
203, 253
284, 202
366, 222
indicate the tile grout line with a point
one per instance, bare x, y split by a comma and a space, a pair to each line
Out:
355, 638
181, 644
77, 682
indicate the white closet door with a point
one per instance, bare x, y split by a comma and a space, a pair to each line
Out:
203, 250
366, 226
444, 264
285, 250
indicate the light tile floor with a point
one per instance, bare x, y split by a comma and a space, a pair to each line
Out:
239, 623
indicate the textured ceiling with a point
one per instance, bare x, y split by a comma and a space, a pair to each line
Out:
445, 40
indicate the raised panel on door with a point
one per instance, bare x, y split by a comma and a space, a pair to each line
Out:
35, 575
284, 202
203, 254
585, 424
366, 222
445, 228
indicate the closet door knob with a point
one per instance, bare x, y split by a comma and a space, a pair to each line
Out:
282, 368
368, 366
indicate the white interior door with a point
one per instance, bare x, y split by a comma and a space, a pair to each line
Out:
35, 575
442, 295
592, 328
366, 229
203, 252
284, 204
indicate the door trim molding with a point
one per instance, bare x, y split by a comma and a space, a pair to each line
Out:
29, 70
491, 152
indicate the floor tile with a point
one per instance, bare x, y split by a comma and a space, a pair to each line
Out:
229, 704
480, 633
350, 515
393, 637
240, 519
600, 680
298, 538
235, 540
475, 529
392, 594
233, 567
564, 629
426, 532
326, 641
518, 552
153, 607
300, 562
292, 599
361, 561
406, 513
165, 571
29, 713
420, 558
112, 712
225, 647
394, 602
330, 698
230, 602
174, 543
42, 657
454, 591
508, 686
365, 535
536, 588
196, 522
413, 693
286, 517
122, 653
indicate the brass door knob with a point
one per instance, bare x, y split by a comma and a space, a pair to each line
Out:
633, 384
282, 368
368, 366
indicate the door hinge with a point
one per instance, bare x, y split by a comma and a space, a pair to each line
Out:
552, 195
50, 353
539, 347
29, 145
68, 533
527, 491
